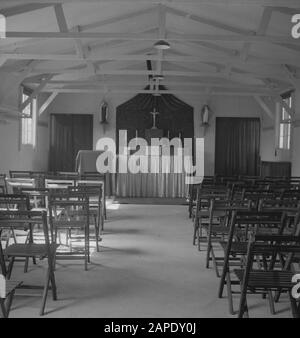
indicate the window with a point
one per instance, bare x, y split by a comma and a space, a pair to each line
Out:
285, 124
28, 120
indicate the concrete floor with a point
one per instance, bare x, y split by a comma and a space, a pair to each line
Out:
147, 267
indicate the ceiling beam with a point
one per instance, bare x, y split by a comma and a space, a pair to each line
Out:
280, 3
81, 71
151, 37
115, 19
18, 80
47, 103
36, 91
262, 29
265, 107
21, 9
208, 21
113, 56
286, 10
167, 83
143, 91
61, 19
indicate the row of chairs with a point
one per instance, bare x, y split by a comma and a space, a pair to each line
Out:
42, 215
258, 236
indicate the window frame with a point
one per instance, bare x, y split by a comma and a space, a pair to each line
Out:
32, 116
285, 123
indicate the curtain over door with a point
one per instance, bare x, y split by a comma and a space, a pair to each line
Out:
69, 134
237, 146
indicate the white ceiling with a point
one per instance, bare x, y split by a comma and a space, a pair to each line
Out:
236, 46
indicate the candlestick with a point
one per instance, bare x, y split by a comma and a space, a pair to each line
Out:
168, 133
136, 133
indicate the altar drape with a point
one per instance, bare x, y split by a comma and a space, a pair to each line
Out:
175, 117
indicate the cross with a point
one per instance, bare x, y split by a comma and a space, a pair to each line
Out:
154, 113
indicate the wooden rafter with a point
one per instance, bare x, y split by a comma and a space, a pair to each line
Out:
151, 37
36, 91
280, 3
265, 107
47, 103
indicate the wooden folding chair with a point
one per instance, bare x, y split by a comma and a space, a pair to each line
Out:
269, 278
69, 212
94, 195
218, 226
45, 250
97, 177
97, 184
244, 223
201, 210
16, 202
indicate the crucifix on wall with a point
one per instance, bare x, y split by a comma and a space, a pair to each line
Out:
154, 113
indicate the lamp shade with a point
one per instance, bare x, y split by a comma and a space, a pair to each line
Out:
161, 44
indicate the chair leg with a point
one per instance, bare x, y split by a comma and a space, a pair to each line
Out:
2, 262
215, 262
45, 292
229, 294
271, 302
10, 267
53, 284
3, 308
223, 276
96, 233
9, 302
243, 302
86, 249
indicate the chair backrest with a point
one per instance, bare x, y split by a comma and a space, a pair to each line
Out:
15, 184
247, 223
3, 186
26, 220
273, 246
288, 205
14, 202
63, 206
19, 174
224, 209
67, 175
57, 184
38, 197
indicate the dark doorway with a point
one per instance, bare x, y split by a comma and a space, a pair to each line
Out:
69, 133
237, 146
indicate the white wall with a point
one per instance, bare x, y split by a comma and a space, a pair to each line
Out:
221, 105
37, 159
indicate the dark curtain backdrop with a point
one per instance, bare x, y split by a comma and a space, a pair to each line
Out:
68, 134
237, 146
174, 115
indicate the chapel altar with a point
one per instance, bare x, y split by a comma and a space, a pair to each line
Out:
148, 116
